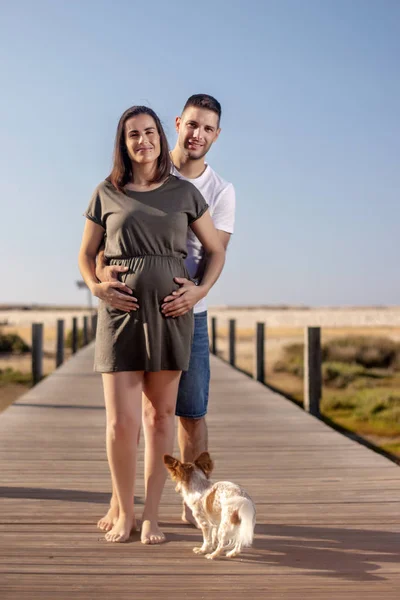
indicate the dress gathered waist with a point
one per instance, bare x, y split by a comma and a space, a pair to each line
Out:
134, 256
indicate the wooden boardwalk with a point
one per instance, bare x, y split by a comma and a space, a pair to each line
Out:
328, 509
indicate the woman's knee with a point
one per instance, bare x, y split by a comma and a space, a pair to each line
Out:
158, 417
123, 426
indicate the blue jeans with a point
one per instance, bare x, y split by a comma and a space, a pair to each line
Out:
195, 382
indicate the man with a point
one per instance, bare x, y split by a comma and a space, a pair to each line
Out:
198, 128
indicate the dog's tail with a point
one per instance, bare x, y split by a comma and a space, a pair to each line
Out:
244, 517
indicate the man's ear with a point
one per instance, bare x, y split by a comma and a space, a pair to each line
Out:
205, 463
178, 121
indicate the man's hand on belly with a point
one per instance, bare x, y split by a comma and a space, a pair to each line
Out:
182, 300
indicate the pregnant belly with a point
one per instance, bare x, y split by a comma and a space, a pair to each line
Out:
153, 276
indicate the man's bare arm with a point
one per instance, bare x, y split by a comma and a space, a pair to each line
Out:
186, 283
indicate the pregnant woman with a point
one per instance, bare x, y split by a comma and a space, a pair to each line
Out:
143, 212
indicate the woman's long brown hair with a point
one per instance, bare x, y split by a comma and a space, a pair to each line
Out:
121, 173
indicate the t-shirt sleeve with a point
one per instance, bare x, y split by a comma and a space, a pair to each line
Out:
224, 212
95, 211
198, 206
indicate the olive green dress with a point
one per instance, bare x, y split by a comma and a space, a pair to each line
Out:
147, 232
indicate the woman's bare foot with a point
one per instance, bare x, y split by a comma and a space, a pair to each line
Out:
122, 529
187, 516
151, 533
110, 519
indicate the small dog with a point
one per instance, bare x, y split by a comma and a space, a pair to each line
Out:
225, 512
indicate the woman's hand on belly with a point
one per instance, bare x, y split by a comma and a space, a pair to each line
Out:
110, 292
182, 300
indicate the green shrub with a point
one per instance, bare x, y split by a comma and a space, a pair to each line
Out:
9, 375
68, 339
340, 375
368, 405
11, 342
367, 351
359, 353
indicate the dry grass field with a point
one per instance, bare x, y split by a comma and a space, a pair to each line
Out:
16, 368
361, 406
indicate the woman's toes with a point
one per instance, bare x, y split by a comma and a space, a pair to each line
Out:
151, 533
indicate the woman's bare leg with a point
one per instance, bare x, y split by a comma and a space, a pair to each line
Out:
123, 398
159, 401
110, 518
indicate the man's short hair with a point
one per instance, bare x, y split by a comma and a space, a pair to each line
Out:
204, 101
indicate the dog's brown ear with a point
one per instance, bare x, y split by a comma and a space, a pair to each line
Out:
172, 464
204, 463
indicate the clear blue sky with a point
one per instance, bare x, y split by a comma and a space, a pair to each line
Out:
310, 92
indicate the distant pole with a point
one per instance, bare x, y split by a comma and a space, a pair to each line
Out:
260, 358
37, 352
93, 326
74, 335
232, 351
85, 330
312, 370
60, 343
214, 335
82, 285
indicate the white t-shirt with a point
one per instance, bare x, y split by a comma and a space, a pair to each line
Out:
220, 197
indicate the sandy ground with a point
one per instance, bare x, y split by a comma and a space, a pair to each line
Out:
323, 317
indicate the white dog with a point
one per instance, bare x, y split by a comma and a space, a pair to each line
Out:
225, 512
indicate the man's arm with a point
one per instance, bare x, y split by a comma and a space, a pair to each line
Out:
174, 299
225, 238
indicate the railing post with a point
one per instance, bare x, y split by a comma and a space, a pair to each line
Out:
85, 330
37, 352
214, 335
312, 370
260, 358
74, 335
60, 343
232, 352
93, 326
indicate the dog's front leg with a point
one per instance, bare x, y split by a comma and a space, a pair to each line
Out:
207, 540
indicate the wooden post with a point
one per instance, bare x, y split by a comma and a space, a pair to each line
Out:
232, 353
85, 330
312, 370
74, 335
37, 352
93, 326
214, 335
60, 343
260, 358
